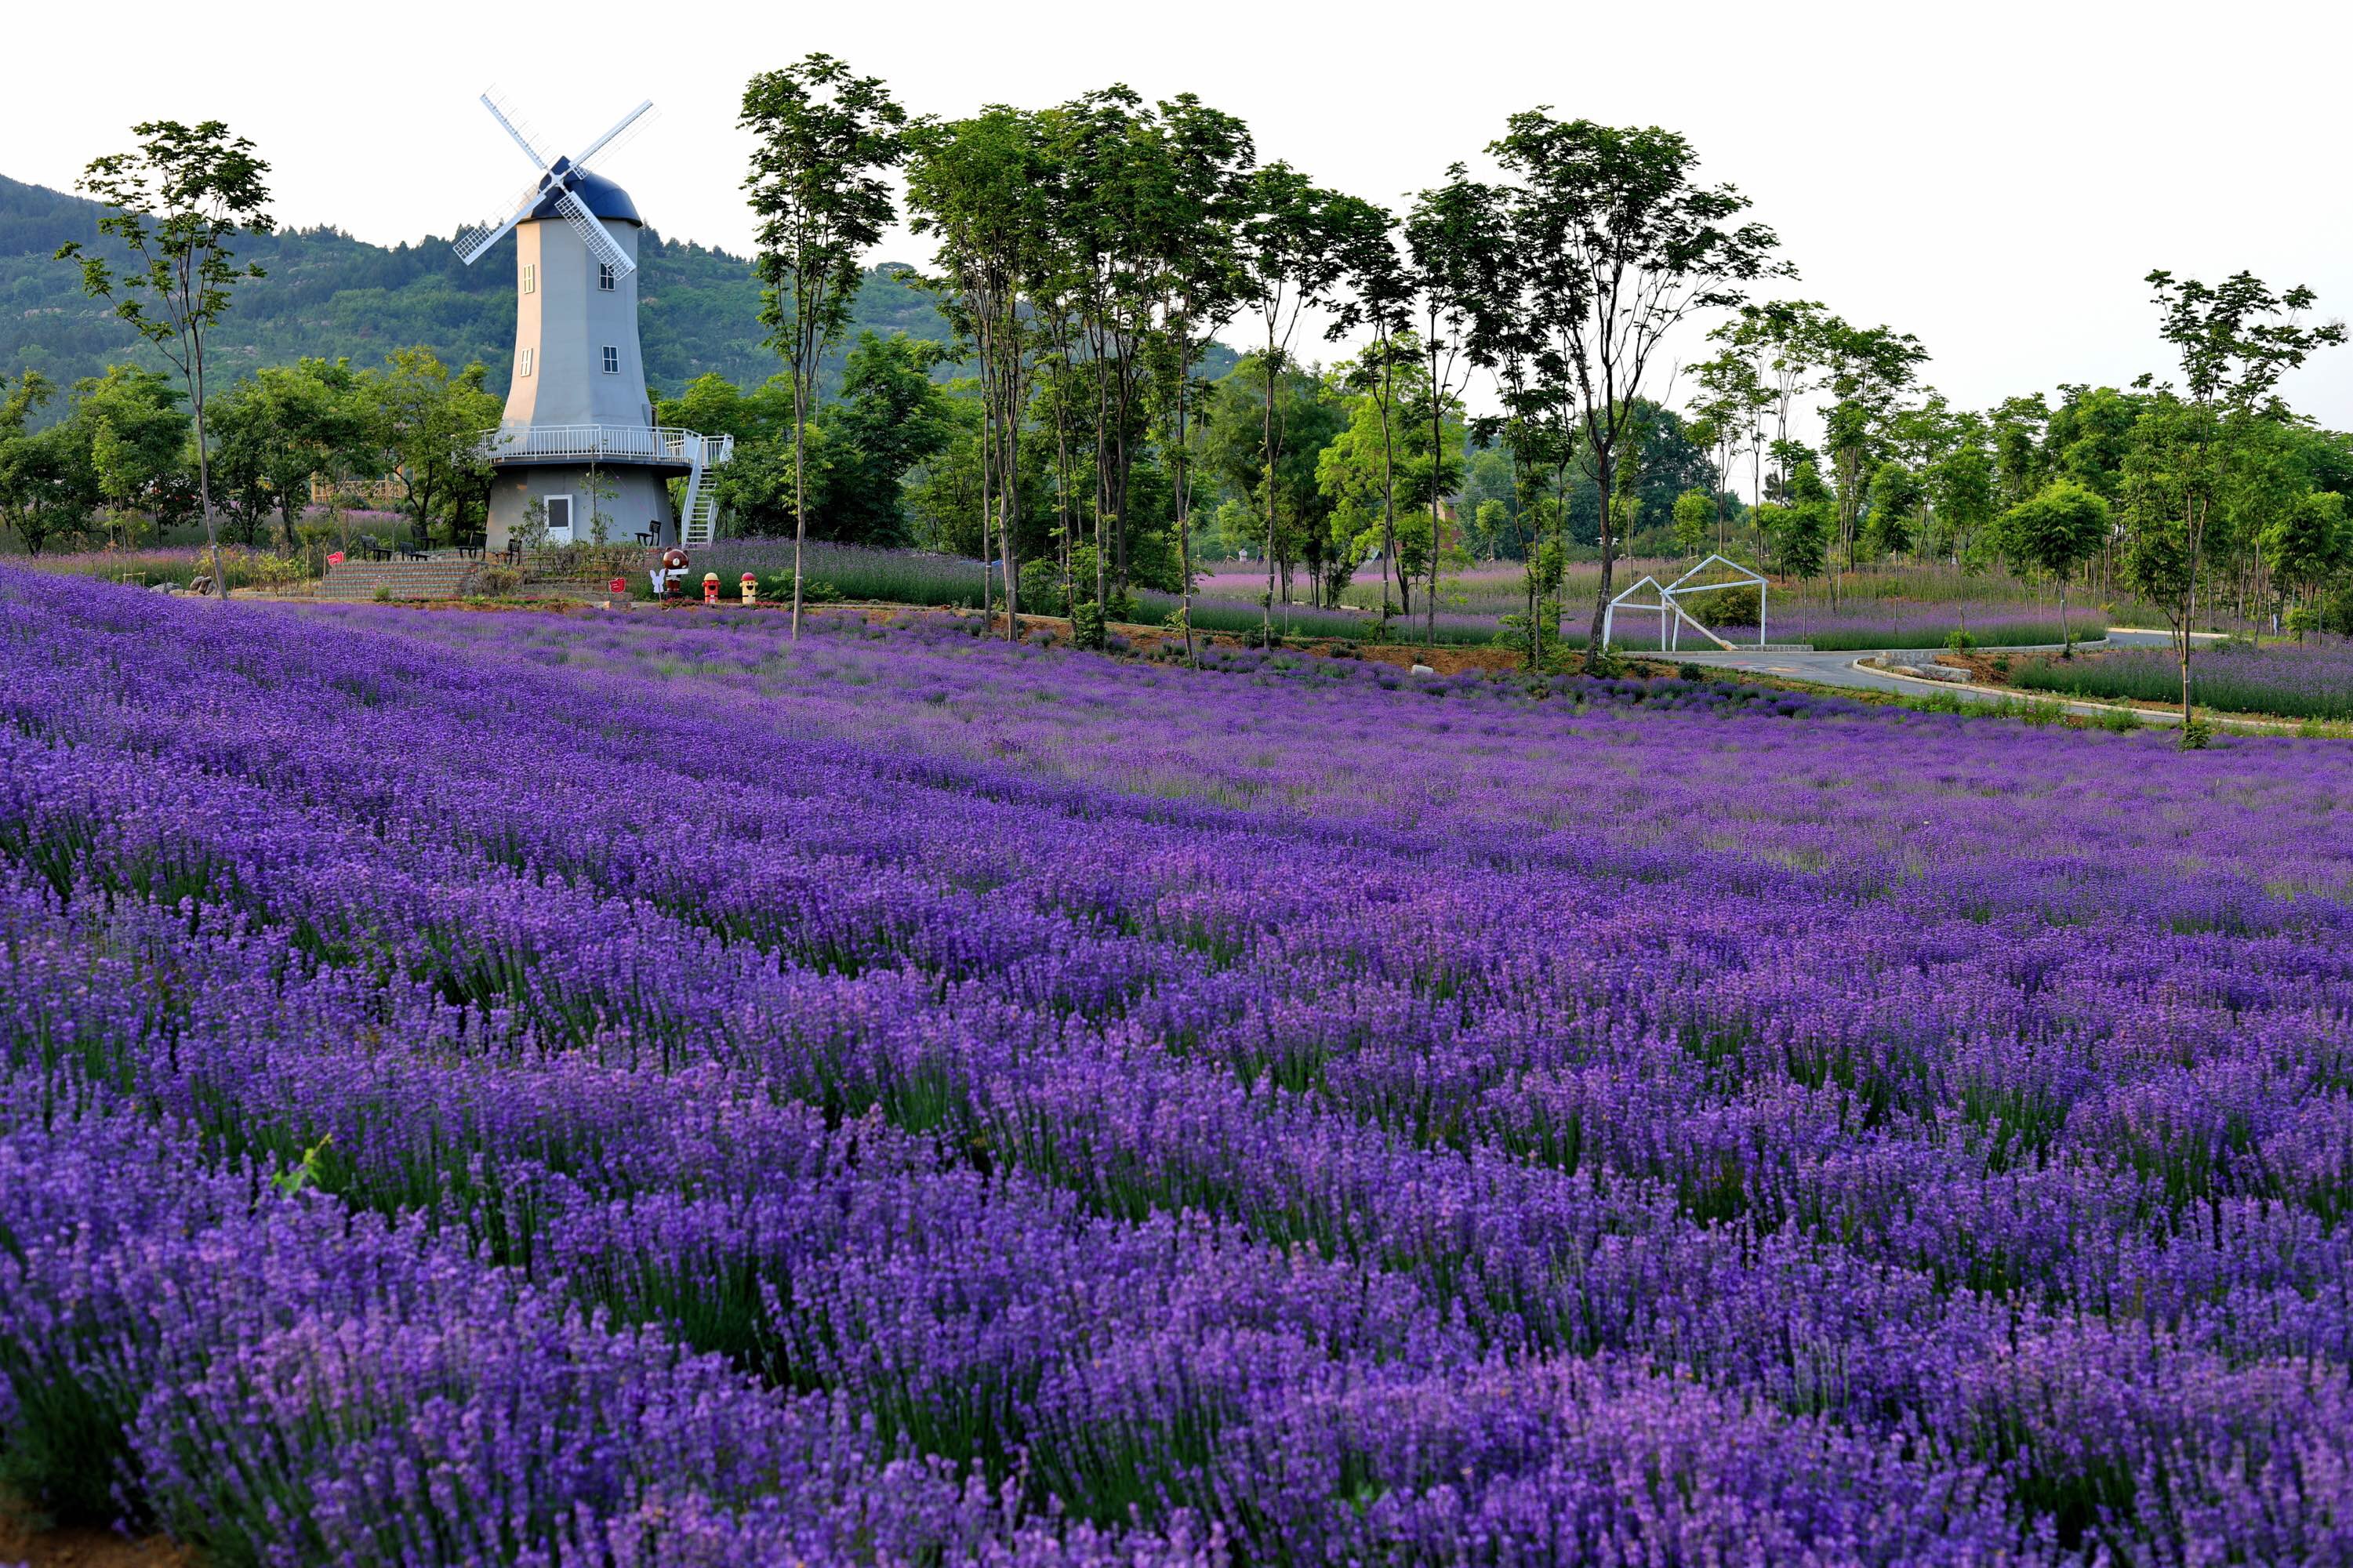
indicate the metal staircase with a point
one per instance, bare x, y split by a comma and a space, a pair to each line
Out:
699, 519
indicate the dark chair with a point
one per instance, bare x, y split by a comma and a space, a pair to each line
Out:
471, 549
374, 549
412, 551
513, 553
645, 539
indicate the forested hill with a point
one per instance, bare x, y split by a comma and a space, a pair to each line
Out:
330, 295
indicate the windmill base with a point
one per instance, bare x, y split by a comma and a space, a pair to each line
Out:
637, 501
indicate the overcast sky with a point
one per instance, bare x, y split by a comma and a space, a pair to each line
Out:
1996, 178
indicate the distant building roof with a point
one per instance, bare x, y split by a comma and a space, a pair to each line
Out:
600, 195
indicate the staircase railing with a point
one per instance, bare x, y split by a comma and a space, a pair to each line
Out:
698, 523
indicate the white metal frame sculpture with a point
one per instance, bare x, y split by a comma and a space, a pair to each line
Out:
1673, 616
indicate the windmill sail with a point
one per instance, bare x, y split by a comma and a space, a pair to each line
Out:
594, 235
514, 125
475, 240
556, 178
624, 130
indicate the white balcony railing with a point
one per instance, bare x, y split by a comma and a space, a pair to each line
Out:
622, 443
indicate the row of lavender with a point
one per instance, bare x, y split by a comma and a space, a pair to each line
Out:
2311, 678
1061, 1161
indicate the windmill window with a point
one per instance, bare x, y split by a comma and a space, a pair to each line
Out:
605, 276
612, 360
530, 277
523, 358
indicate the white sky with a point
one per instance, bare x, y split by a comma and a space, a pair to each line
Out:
1995, 177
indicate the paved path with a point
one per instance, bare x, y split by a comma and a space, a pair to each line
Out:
1844, 669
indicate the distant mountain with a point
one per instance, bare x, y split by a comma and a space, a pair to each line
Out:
328, 295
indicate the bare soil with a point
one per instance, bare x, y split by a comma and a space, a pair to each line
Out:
80, 1546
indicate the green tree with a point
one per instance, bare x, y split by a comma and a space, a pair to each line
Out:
2017, 426
944, 495
129, 447
1694, 512
2235, 340
892, 415
1729, 416
425, 423
1801, 531
177, 200
2057, 532
1381, 453
2305, 546
1308, 418
1195, 236
823, 139
1481, 308
1293, 245
1638, 247
2088, 434
1896, 492
1961, 486
1382, 301
37, 497
282, 426
979, 188
1867, 368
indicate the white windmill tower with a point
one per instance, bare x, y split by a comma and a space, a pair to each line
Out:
576, 419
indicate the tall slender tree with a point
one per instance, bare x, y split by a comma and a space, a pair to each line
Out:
1639, 247
1294, 261
1866, 369
1103, 152
174, 202
1381, 301
1460, 241
1195, 233
1729, 417
824, 138
2235, 340
978, 187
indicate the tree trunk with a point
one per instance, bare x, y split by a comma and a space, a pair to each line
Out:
1184, 492
1266, 438
800, 490
1436, 485
1389, 486
1008, 497
1607, 471
205, 483
2188, 716
987, 487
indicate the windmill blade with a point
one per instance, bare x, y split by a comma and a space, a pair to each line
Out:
474, 241
514, 125
594, 235
624, 131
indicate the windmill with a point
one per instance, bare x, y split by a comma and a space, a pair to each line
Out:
577, 445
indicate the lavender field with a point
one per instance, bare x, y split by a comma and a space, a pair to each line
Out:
625, 1089
2303, 680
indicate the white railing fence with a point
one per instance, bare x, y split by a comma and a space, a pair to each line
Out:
588, 443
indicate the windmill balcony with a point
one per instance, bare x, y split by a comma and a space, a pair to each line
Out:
656, 444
